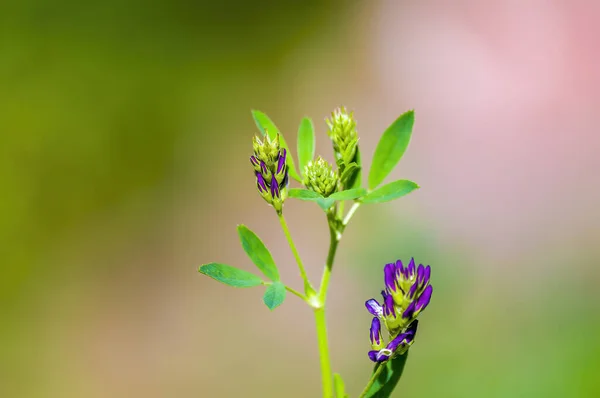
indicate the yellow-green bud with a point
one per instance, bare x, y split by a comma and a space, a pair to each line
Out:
342, 131
320, 177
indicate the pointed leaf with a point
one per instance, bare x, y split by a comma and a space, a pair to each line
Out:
312, 196
388, 379
303, 194
325, 203
230, 275
349, 194
258, 252
355, 180
306, 143
274, 295
349, 173
338, 384
391, 147
391, 191
266, 126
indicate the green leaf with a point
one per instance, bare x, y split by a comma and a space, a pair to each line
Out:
391, 147
349, 194
325, 203
390, 191
355, 180
340, 388
303, 194
312, 196
258, 252
306, 143
349, 173
388, 379
266, 126
274, 295
230, 275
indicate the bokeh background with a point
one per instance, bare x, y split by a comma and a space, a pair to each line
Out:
125, 131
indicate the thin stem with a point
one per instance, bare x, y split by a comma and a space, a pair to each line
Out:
289, 289
326, 376
333, 244
286, 231
297, 293
351, 212
374, 377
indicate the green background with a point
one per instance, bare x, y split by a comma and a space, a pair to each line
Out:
125, 131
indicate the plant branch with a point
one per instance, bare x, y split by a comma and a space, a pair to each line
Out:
286, 231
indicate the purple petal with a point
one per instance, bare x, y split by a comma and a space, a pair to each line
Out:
281, 163
403, 338
388, 306
420, 274
384, 294
263, 167
373, 355
375, 331
274, 188
411, 268
426, 276
399, 267
254, 161
410, 310
424, 298
389, 272
412, 290
260, 183
373, 307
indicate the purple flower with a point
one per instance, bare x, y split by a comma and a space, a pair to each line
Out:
270, 170
407, 293
398, 346
375, 334
374, 308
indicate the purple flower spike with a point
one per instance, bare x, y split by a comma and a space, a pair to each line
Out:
374, 308
260, 183
274, 188
375, 331
254, 161
389, 272
424, 299
281, 163
388, 306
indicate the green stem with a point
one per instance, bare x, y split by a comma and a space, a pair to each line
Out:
326, 376
286, 231
334, 237
351, 212
374, 377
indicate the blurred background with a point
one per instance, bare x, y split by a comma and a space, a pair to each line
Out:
125, 131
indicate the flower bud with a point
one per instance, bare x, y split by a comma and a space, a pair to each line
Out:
270, 170
320, 177
342, 131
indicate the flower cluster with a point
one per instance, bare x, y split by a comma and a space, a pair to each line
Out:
270, 170
320, 177
407, 293
342, 131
